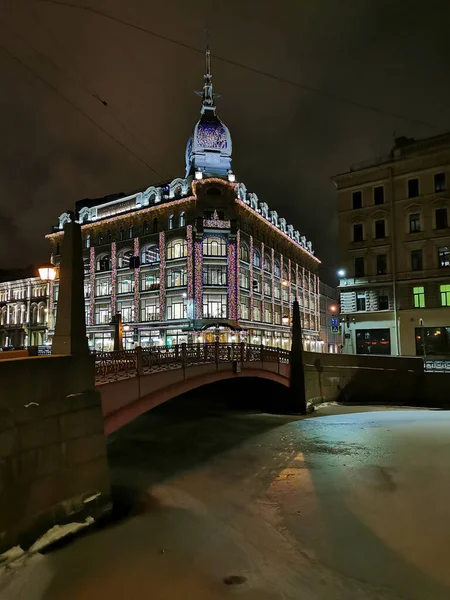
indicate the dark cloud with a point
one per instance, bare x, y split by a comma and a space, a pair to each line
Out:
287, 141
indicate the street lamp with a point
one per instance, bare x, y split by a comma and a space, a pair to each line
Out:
47, 273
341, 273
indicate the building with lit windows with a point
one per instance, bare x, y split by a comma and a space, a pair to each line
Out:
23, 312
395, 251
195, 259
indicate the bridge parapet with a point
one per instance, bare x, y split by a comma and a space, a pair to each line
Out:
125, 364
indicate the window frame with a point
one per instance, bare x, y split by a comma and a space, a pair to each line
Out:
411, 193
357, 194
419, 296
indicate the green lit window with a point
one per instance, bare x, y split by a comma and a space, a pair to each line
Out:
445, 294
419, 297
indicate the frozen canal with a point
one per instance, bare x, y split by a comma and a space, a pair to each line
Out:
266, 507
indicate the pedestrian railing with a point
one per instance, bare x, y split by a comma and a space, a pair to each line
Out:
124, 364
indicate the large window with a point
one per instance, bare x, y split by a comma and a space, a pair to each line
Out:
358, 234
176, 277
419, 297
244, 252
443, 257
268, 313
150, 254
445, 294
267, 287
276, 291
123, 259
436, 341
214, 246
380, 229
359, 266
257, 284
149, 280
277, 315
378, 195
102, 314
244, 279
256, 310
150, 309
267, 263
125, 284
383, 300
360, 301
245, 307
381, 264
276, 269
215, 306
414, 222
257, 258
176, 307
373, 341
103, 263
413, 188
441, 218
176, 249
440, 184
102, 287
416, 260
357, 200
216, 275
125, 308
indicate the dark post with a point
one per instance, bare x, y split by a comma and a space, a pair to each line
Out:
297, 390
118, 332
70, 329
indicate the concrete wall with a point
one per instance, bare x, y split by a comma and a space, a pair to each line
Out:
53, 466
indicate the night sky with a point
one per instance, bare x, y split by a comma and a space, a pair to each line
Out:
287, 141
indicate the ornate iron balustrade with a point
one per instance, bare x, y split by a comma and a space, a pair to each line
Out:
123, 364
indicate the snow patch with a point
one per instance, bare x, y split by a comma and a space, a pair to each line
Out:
58, 532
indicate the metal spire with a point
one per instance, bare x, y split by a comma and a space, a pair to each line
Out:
207, 95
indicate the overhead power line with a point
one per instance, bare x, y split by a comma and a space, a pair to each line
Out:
280, 79
73, 105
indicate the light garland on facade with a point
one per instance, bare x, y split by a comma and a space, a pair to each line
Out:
198, 278
136, 281
251, 279
290, 290
263, 281
232, 313
190, 270
273, 285
281, 287
198, 182
92, 286
285, 235
303, 295
113, 278
238, 274
162, 274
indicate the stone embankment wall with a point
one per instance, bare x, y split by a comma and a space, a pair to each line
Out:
53, 466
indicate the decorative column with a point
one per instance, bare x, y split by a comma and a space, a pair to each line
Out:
273, 285
113, 278
238, 274
317, 303
198, 278
251, 278
262, 283
51, 291
304, 295
311, 305
289, 292
190, 273
91, 286
232, 312
162, 275
136, 281
281, 288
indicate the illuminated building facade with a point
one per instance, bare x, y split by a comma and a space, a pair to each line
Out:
195, 259
23, 312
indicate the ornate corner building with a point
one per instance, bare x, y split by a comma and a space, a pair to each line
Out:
195, 259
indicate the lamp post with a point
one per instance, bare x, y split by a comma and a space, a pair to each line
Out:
48, 274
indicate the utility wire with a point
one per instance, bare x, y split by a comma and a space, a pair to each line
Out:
308, 88
73, 105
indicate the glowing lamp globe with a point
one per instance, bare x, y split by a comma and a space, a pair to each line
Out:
47, 273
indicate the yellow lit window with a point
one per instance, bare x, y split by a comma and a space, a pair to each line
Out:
419, 297
445, 294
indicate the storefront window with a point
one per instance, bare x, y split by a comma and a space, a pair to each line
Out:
215, 306
437, 341
102, 314
125, 308
176, 337
150, 338
125, 284
150, 309
150, 280
373, 341
176, 277
102, 287
176, 307
103, 341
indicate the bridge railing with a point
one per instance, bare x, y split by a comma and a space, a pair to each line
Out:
123, 364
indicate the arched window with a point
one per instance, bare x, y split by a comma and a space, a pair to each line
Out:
150, 254
256, 258
108, 237
276, 268
267, 263
245, 254
177, 192
41, 313
155, 225
123, 258
145, 228
103, 262
171, 221
88, 241
121, 234
285, 274
214, 246
34, 314
293, 277
182, 219
3, 316
176, 249
130, 232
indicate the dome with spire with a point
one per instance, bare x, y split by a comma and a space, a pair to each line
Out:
209, 148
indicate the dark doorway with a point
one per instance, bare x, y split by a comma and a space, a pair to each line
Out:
373, 341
